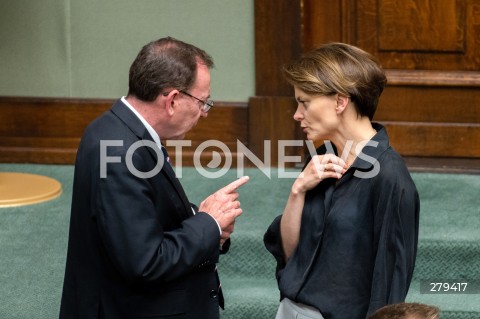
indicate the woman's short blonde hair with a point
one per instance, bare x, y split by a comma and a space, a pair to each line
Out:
340, 68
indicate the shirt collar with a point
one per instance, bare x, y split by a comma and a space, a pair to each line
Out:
369, 153
153, 133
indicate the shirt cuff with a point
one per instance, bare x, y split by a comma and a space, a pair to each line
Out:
219, 228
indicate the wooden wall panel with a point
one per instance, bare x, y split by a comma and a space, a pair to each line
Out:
434, 20
278, 40
421, 34
44, 130
446, 140
427, 104
329, 29
272, 122
326, 21
45, 117
431, 54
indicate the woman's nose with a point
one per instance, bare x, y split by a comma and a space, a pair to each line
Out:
298, 115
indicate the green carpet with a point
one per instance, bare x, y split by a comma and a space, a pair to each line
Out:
33, 241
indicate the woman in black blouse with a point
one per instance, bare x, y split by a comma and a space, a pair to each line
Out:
346, 242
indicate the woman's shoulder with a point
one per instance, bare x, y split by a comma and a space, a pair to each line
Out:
393, 169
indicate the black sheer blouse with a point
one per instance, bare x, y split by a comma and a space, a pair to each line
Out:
358, 237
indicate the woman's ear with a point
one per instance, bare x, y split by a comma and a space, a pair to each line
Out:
342, 102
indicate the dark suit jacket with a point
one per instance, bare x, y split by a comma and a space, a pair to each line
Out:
135, 248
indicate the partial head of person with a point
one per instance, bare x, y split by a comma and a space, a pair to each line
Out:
173, 77
343, 73
407, 310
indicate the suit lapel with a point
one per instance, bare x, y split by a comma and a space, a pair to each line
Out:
137, 127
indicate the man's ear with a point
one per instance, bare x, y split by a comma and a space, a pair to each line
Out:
170, 103
342, 102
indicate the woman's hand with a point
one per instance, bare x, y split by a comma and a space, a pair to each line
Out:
319, 168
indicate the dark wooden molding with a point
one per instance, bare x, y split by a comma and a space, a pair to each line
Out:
48, 130
433, 78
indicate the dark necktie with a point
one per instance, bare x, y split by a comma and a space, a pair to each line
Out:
166, 158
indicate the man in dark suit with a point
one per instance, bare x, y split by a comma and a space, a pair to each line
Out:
137, 247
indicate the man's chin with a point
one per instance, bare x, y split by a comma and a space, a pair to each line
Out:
178, 137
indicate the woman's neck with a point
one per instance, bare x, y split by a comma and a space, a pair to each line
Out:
352, 137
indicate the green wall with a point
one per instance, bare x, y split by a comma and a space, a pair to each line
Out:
84, 48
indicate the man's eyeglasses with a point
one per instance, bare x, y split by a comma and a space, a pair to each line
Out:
207, 105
